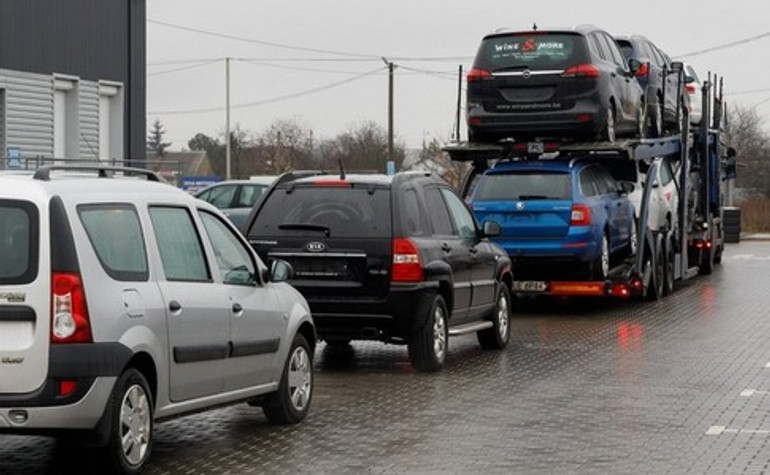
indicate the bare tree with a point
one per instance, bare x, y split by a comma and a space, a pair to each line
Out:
746, 133
363, 148
286, 145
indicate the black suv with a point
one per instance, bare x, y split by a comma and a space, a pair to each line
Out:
572, 83
398, 259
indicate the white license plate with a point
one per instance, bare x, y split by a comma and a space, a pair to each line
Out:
530, 286
535, 147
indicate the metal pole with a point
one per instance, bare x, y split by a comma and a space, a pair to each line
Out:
390, 111
227, 118
459, 100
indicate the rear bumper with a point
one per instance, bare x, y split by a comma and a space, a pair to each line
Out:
396, 316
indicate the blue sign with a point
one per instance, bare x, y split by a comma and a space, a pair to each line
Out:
13, 157
193, 183
391, 167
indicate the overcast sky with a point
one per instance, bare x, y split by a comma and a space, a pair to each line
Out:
320, 61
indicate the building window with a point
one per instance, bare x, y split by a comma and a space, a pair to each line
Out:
110, 121
65, 118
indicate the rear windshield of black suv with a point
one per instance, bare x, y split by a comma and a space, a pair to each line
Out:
345, 211
531, 50
524, 185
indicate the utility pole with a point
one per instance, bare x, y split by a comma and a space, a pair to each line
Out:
390, 107
227, 118
459, 100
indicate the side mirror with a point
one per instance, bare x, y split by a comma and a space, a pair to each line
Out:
627, 187
677, 66
634, 65
492, 229
281, 271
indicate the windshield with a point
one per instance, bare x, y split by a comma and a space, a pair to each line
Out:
525, 185
530, 51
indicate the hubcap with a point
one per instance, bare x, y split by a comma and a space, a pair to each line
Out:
502, 316
135, 424
605, 258
633, 239
300, 378
610, 125
439, 333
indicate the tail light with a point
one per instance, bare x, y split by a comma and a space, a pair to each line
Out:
581, 215
643, 70
690, 88
407, 266
477, 74
69, 313
581, 71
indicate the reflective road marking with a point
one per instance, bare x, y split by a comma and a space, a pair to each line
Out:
719, 430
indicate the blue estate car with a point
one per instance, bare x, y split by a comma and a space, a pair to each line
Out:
560, 219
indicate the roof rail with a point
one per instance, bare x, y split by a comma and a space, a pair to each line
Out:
295, 175
44, 173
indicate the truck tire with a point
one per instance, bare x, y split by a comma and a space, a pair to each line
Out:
668, 284
654, 290
428, 347
496, 338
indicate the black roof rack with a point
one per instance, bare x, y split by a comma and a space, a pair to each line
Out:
44, 173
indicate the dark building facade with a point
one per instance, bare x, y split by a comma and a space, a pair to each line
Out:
73, 79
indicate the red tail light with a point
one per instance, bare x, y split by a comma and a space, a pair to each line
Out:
690, 88
407, 266
581, 215
69, 313
643, 70
477, 74
581, 71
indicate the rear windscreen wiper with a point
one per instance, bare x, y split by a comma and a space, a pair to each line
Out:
305, 227
534, 197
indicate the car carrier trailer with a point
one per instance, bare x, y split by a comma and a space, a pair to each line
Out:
692, 246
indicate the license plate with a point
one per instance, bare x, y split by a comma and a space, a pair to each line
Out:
530, 286
535, 147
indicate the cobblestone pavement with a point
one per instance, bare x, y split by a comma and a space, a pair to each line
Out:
676, 386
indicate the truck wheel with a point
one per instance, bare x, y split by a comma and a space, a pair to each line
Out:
668, 287
655, 287
427, 349
291, 403
131, 414
707, 261
496, 338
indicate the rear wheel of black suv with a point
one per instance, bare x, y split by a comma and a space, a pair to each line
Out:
428, 347
496, 338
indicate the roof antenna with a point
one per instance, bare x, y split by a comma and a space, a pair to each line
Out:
534, 27
342, 170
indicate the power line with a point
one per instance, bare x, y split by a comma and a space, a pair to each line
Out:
184, 68
725, 45
269, 101
295, 68
750, 91
260, 42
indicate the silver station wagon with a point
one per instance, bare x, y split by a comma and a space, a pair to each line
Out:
124, 301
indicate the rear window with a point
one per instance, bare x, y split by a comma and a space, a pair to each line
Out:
18, 242
534, 185
530, 51
626, 48
344, 212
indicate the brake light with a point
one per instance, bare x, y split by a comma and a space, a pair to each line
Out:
690, 88
69, 313
581, 215
477, 74
332, 183
587, 70
643, 70
407, 266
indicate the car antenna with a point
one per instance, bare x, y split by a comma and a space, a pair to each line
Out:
342, 170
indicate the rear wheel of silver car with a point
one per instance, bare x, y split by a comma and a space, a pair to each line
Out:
428, 347
131, 413
291, 403
496, 338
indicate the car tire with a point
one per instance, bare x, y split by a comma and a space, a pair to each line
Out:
654, 290
428, 347
600, 268
655, 119
291, 403
641, 120
633, 240
131, 417
668, 287
609, 133
497, 337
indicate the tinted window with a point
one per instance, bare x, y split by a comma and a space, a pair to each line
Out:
598, 48
626, 49
249, 195
412, 219
18, 242
540, 51
179, 245
220, 196
610, 185
439, 214
233, 260
588, 183
345, 212
116, 237
464, 225
612, 48
665, 172
525, 185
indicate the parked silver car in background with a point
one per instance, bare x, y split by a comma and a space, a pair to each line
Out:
236, 197
124, 300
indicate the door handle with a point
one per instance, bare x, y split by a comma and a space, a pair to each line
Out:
445, 247
174, 306
237, 307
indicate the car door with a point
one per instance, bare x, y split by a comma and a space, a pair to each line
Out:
618, 211
482, 259
626, 82
197, 312
258, 320
455, 252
